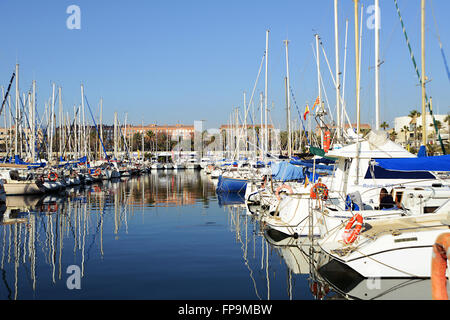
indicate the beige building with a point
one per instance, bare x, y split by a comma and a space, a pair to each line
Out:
408, 129
184, 132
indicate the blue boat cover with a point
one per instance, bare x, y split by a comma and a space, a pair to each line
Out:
436, 163
231, 185
284, 171
18, 160
309, 164
422, 151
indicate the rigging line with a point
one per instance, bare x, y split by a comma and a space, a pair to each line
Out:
299, 114
7, 92
253, 92
96, 128
439, 40
420, 78
323, 86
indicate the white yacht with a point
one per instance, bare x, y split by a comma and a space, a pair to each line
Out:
398, 247
358, 179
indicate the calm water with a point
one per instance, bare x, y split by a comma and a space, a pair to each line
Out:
158, 236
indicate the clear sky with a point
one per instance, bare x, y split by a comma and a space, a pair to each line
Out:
180, 61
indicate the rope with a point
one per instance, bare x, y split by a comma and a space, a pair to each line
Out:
420, 78
440, 43
96, 128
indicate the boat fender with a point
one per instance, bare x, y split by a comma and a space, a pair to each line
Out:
439, 267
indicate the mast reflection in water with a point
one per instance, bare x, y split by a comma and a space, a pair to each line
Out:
156, 236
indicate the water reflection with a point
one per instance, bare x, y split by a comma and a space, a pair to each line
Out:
278, 268
42, 235
326, 279
164, 235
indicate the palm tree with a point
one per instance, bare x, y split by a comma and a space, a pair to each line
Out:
405, 130
384, 125
151, 136
414, 114
433, 132
393, 135
447, 120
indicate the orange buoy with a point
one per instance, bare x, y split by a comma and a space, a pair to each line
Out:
319, 191
439, 267
284, 186
351, 234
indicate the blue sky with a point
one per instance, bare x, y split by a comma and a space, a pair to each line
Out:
180, 61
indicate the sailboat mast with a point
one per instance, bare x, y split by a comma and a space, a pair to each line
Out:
52, 112
115, 136
377, 65
319, 86
358, 116
33, 123
101, 126
424, 111
245, 125
338, 80
288, 100
17, 109
30, 106
261, 142
143, 142
60, 121
84, 122
357, 56
266, 130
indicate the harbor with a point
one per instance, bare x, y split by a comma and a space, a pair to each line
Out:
290, 189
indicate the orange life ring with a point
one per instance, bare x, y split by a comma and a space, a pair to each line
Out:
284, 186
319, 191
52, 176
97, 172
439, 267
351, 234
53, 207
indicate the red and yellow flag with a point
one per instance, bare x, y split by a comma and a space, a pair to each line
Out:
316, 103
306, 182
306, 112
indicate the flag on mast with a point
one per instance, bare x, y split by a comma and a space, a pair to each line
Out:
306, 112
316, 103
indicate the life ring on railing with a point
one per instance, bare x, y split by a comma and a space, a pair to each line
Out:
284, 186
350, 233
439, 267
52, 176
319, 191
53, 207
97, 172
